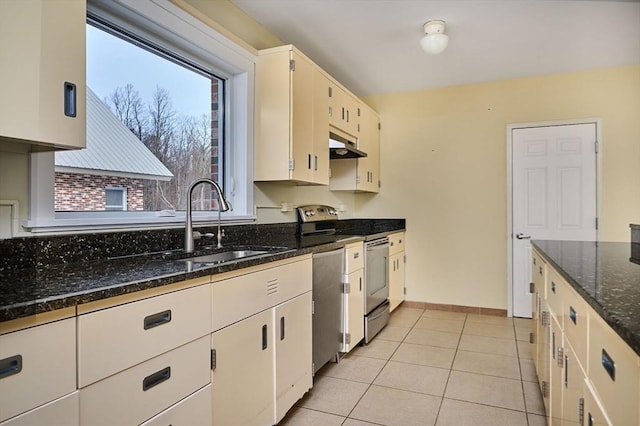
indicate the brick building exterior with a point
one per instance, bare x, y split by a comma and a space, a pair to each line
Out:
85, 192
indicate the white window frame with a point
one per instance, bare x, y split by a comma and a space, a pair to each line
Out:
163, 23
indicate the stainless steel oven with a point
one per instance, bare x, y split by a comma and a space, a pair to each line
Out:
376, 281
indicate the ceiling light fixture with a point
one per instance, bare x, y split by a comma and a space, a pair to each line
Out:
435, 40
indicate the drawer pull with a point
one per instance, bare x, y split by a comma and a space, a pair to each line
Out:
10, 366
572, 314
609, 365
70, 104
156, 378
264, 337
553, 287
281, 328
158, 319
356, 255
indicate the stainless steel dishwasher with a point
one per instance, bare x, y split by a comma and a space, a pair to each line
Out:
327, 306
316, 226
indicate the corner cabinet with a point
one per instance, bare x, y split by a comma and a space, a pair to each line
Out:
43, 84
587, 373
292, 124
361, 174
396, 270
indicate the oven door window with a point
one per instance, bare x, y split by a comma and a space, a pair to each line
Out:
377, 278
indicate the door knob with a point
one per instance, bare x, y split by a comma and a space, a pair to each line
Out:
521, 236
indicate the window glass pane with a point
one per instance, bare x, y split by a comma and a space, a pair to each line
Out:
154, 124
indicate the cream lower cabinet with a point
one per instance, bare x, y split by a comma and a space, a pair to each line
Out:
194, 410
37, 371
261, 344
588, 374
137, 358
63, 411
396, 269
42, 52
353, 297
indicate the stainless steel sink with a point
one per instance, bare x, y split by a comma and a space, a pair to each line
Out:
225, 256
229, 255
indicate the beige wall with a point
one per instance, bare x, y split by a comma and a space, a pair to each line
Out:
444, 168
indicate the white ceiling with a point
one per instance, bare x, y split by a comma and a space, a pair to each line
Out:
372, 46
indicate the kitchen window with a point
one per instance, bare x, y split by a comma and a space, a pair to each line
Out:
177, 100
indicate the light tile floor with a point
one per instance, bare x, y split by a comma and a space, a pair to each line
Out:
430, 368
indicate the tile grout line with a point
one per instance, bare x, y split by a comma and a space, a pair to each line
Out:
374, 379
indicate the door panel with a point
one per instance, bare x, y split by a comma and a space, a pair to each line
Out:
554, 194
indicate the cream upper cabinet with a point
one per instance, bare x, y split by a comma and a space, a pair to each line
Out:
292, 127
343, 110
361, 174
43, 84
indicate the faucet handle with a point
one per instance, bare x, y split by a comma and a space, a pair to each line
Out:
197, 235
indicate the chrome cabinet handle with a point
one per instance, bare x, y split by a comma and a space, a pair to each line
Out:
521, 236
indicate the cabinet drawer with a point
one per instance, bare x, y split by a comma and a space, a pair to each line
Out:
146, 328
139, 393
194, 410
555, 289
354, 257
614, 372
240, 297
62, 411
575, 318
396, 243
37, 366
539, 273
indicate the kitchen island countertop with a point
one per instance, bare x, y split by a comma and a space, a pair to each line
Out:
606, 275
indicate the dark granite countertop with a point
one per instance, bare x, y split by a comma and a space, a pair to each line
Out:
42, 275
607, 276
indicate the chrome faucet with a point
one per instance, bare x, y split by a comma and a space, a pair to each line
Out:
223, 206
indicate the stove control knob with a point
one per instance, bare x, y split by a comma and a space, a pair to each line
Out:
309, 213
333, 212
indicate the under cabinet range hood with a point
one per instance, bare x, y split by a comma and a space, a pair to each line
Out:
341, 146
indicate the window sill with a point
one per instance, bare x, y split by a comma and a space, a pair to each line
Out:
80, 222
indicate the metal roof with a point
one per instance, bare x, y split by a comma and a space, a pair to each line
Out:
112, 149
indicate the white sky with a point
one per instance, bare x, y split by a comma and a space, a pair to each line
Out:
113, 63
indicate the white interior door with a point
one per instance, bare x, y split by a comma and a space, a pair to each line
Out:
554, 194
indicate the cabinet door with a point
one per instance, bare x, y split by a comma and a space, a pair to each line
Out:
37, 365
42, 49
293, 352
614, 372
556, 372
320, 147
353, 318
396, 280
544, 355
63, 411
343, 110
194, 410
243, 378
593, 412
369, 142
572, 398
141, 392
302, 90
